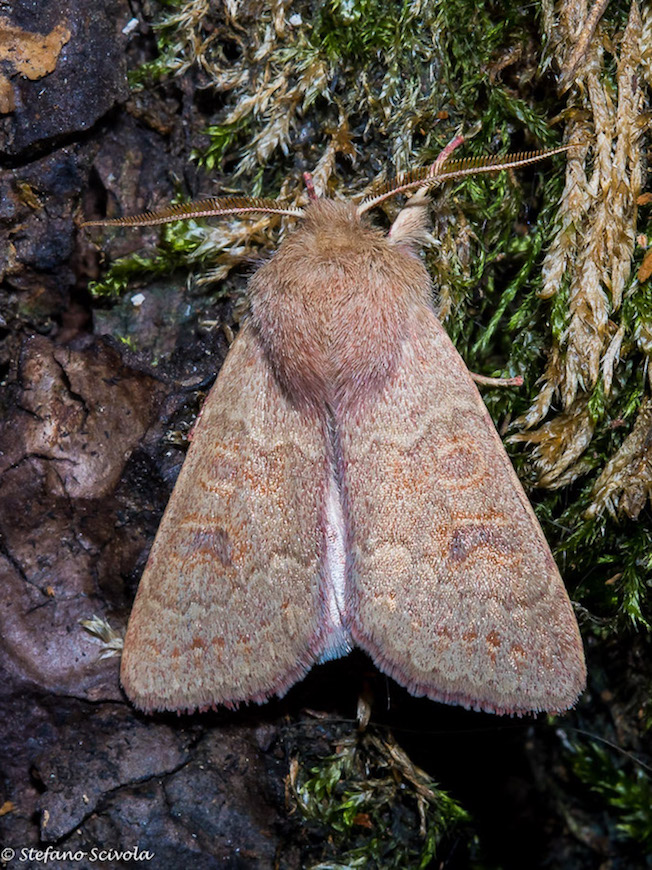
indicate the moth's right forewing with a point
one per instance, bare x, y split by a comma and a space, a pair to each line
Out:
229, 607
453, 589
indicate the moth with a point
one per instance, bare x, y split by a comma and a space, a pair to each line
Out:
345, 486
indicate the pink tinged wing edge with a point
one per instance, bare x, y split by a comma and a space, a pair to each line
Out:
327, 640
572, 683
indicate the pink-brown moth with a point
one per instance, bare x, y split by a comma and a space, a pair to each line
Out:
345, 486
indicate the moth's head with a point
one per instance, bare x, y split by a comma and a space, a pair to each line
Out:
408, 227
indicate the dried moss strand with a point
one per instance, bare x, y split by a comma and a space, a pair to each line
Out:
587, 270
579, 53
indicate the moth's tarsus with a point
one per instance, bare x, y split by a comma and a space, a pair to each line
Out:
446, 152
310, 187
485, 381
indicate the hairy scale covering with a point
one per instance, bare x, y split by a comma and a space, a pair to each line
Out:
229, 607
453, 589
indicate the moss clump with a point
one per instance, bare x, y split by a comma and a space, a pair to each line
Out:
373, 807
623, 784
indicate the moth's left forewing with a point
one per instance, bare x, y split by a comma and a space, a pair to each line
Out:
230, 606
453, 589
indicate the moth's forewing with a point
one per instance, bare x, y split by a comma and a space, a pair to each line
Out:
453, 589
229, 607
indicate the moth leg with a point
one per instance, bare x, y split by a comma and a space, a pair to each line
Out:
484, 381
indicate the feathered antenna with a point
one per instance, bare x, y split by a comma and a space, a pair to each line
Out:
445, 170
216, 206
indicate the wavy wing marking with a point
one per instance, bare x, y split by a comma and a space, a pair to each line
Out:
453, 589
230, 606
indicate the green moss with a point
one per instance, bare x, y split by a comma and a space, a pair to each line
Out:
559, 313
357, 30
171, 28
374, 807
622, 785
128, 342
121, 273
597, 402
607, 568
637, 308
223, 138
180, 246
